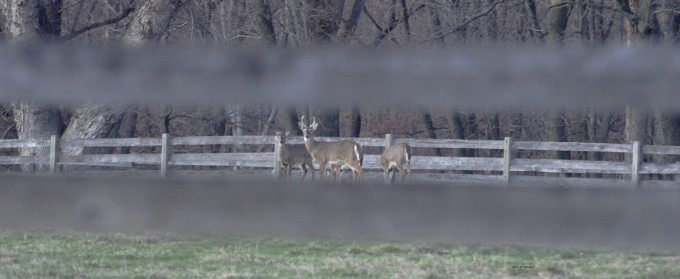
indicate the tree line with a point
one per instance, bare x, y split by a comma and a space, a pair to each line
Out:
358, 23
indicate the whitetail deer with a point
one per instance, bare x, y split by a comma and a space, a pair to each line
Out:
397, 156
290, 155
344, 153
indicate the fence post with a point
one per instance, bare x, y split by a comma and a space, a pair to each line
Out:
277, 164
54, 144
507, 156
165, 153
635, 167
388, 140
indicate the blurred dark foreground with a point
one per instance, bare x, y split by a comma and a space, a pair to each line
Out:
551, 216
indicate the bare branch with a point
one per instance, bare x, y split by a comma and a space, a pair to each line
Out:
623, 9
391, 26
370, 17
461, 26
97, 25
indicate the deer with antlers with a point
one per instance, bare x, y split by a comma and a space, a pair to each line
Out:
398, 157
290, 155
339, 154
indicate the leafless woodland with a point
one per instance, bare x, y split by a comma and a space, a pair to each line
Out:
385, 24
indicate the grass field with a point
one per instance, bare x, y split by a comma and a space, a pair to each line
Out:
80, 255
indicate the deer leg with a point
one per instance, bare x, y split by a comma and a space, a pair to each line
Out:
337, 173
386, 174
304, 171
322, 169
408, 171
289, 168
285, 168
357, 174
393, 175
311, 166
402, 171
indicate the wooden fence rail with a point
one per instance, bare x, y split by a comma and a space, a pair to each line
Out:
498, 169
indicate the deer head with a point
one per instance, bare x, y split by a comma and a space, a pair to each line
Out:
282, 137
307, 131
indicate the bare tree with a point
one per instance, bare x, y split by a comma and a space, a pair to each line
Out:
288, 117
330, 120
558, 13
33, 21
556, 131
347, 29
323, 19
149, 23
666, 132
25, 24
457, 130
355, 121
426, 119
265, 22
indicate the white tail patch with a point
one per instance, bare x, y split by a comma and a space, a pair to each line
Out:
407, 155
356, 152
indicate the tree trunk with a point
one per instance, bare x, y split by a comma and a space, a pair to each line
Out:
129, 126
603, 132
636, 125
435, 21
328, 119
516, 125
36, 122
516, 129
556, 132
348, 28
669, 21
426, 119
323, 19
91, 121
559, 19
214, 126
471, 131
457, 132
265, 23
405, 15
29, 22
289, 119
355, 121
148, 24
641, 23
151, 21
270, 120
535, 29
600, 135
666, 132
494, 131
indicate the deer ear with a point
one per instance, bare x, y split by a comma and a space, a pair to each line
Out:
287, 133
278, 133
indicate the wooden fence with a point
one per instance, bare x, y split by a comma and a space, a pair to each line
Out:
484, 169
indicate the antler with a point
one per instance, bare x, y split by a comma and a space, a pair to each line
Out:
302, 122
313, 121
